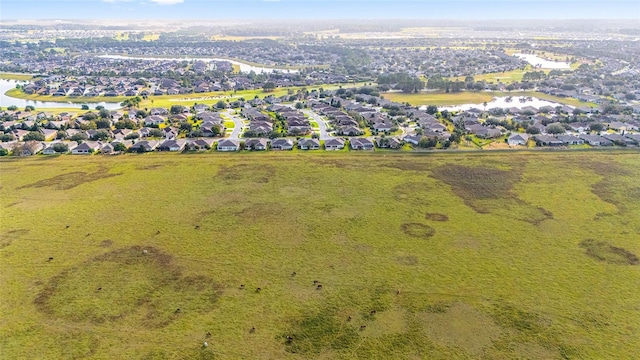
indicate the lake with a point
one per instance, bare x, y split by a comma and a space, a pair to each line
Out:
501, 102
6, 85
545, 64
243, 67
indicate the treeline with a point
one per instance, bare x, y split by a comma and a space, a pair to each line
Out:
405, 82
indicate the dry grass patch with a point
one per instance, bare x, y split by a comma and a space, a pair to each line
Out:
140, 282
70, 180
417, 230
603, 251
436, 217
462, 326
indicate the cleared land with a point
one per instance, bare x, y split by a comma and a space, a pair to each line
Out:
523, 255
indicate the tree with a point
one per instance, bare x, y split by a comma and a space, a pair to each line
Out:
4, 152
125, 124
84, 107
120, 147
432, 109
29, 108
531, 130
131, 136
34, 135
12, 108
79, 137
6, 137
156, 133
89, 116
427, 142
176, 109
596, 127
104, 113
103, 124
60, 148
299, 105
101, 135
186, 126
221, 105
556, 129
269, 86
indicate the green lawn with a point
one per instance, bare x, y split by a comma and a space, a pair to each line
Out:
440, 99
166, 101
15, 76
440, 256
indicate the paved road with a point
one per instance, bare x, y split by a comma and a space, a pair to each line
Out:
239, 125
322, 125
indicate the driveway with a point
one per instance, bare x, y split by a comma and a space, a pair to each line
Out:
239, 125
322, 125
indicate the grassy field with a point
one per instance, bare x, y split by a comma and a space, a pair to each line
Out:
506, 77
15, 76
440, 99
528, 255
209, 98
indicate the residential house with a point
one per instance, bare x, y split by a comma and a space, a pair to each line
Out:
596, 140
144, 146
154, 120
29, 148
388, 142
228, 145
86, 148
309, 144
172, 145
282, 144
546, 140
518, 139
334, 144
200, 144
570, 140
258, 144
361, 144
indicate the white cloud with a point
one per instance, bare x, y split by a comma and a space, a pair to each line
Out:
159, 2
167, 2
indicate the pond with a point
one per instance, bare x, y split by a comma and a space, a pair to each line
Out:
542, 63
243, 67
5, 100
503, 102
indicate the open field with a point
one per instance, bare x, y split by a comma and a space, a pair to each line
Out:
209, 98
15, 76
468, 97
506, 77
528, 255
438, 98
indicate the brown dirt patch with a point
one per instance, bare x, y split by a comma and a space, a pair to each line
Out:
408, 260
106, 243
134, 282
462, 326
477, 183
417, 230
417, 193
436, 217
8, 237
256, 173
603, 251
70, 180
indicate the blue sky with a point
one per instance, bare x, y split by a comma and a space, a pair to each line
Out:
318, 9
